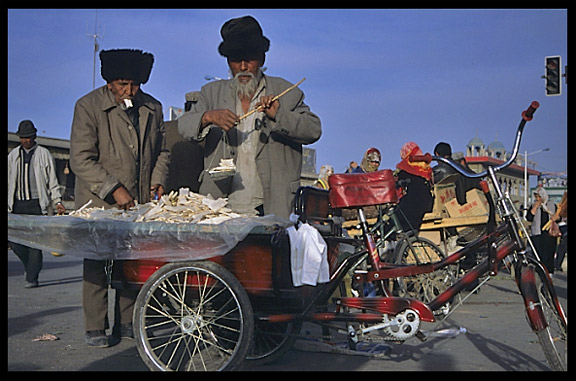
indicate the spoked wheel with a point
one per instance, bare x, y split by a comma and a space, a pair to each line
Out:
272, 340
193, 316
424, 287
553, 338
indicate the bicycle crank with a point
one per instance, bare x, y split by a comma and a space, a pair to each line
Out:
400, 327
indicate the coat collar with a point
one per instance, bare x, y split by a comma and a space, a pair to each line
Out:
145, 108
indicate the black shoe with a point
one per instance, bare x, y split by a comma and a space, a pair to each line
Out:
96, 339
124, 332
32, 284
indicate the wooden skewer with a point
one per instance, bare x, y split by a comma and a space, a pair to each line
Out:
273, 99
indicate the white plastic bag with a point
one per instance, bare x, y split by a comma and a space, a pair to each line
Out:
308, 256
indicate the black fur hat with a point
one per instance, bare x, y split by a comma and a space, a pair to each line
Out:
242, 38
126, 64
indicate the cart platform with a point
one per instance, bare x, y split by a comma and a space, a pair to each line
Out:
121, 240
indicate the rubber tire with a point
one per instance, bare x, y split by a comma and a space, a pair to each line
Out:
553, 338
207, 325
267, 348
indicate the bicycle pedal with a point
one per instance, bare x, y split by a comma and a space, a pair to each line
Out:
421, 336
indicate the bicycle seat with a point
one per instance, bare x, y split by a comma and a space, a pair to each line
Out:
352, 190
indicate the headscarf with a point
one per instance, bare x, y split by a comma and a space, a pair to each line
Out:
536, 227
325, 172
544, 196
369, 160
418, 168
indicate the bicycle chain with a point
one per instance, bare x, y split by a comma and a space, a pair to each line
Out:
368, 337
333, 338
361, 337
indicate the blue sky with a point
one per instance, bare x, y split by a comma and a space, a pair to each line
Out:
376, 78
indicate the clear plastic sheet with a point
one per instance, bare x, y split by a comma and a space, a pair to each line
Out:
123, 240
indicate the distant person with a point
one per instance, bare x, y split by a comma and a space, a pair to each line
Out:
119, 156
325, 172
539, 214
33, 189
370, 162
442, 170
561, 216
464, 184
266, 146
416, 177
351, 167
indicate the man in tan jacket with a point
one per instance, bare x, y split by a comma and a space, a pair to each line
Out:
119, 156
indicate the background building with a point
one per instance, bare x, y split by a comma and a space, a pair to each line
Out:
479, 156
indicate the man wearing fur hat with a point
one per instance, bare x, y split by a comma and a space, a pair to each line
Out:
119, 156
267, 145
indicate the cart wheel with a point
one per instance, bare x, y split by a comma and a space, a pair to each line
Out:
272, 340
193, 316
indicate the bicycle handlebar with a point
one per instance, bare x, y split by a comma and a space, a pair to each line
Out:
527, 116
529, 113
426, 158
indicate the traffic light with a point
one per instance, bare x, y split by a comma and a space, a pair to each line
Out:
553, 76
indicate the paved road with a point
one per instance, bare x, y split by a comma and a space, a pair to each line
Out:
497, 336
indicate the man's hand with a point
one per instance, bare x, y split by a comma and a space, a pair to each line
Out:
225, 119
269, 107
123, 198
60, 209
156, 191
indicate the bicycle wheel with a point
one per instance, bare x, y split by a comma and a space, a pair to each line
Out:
553, 338
193, 316
424, 287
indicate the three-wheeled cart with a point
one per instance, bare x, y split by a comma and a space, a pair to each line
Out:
215, 313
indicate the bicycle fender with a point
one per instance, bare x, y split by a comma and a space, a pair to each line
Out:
527, 285
390, 305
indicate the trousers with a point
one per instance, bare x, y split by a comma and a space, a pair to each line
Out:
95, 298
30, 258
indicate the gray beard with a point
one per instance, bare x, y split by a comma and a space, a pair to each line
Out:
245, 90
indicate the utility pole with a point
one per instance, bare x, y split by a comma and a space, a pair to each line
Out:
95, 37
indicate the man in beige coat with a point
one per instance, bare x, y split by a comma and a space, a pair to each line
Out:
267, 145
119, 156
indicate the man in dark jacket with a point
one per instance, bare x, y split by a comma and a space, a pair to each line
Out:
442, 170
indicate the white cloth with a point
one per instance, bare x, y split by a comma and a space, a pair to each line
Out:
308, 256
247, 192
